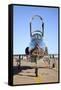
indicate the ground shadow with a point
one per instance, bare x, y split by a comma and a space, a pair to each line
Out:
17, 69
26, 75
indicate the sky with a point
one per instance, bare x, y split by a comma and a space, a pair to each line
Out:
21, 29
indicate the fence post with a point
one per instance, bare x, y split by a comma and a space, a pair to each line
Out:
19, 60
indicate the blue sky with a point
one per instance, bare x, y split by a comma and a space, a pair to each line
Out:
21, 29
